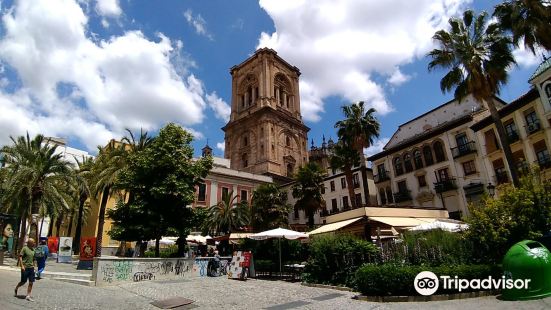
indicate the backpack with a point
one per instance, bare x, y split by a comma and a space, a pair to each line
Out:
39, 252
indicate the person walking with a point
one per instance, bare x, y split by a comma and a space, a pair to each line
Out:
41, 254
26, 261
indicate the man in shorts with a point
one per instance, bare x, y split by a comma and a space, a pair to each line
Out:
27, 262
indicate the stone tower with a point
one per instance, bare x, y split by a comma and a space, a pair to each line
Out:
265, 134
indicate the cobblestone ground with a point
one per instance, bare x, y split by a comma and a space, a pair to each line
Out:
217, 293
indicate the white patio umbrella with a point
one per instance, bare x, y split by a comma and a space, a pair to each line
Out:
447, 225
279, 233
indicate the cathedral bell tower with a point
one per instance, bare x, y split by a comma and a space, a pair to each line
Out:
265, 134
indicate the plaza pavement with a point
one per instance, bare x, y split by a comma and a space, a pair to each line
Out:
217, 293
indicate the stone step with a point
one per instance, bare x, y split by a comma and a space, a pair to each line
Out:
76, 281
55, 275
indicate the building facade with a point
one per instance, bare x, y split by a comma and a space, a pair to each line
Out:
265, 133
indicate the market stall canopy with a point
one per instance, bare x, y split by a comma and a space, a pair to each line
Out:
198, 239
447, 225
333, 226
401, 221
279, 233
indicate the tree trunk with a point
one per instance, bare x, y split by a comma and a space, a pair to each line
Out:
363, 169
41, 226
101, 220
51, 227
310, 219
58, 224
70, 228
157, 246
22, 230
350, 183
503, 139
76, 241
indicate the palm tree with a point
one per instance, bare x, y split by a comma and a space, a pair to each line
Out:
478, 55
345, 158
269, 208
227, 215
526, 20
83, 181
358, 130
110, 162
307, 190
36, 178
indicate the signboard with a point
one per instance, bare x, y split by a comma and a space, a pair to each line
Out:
8, 226
239, 265
65, 250
53, 244
87, 248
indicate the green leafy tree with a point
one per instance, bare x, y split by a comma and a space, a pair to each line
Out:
307, 190
109, 164
228, 214
162, 178
35, 179
357, 131
345, 158
478, 56
517, 214
269, 208
526, 20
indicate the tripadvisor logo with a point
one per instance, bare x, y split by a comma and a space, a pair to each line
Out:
426, 283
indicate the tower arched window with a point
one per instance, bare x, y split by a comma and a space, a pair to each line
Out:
417, 159
439, 151
287, 141
398, 169
290, 168
407, 162
548, 92
245, 160
282, 91
245, 141
427, 154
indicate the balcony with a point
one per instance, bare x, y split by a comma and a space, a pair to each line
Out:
445, 185
513, 137
402, 196
381, 177
502, 177
544, 162
533, 127
463, 149
523, 167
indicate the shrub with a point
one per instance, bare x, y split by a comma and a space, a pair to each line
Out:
335, 259
432, 248
392, 279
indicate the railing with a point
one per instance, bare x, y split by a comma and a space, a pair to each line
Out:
402, 196
445, 185
544, 162
533, 127
463, 149
381, 177
513, 137
502, 177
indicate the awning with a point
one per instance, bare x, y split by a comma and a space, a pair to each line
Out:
402, 221
333, 226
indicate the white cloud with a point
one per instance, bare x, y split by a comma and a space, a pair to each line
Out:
221, 146
339, 47
110, 8
377, 147
197, 135
123, 81
199, 23
221, 109
525, 58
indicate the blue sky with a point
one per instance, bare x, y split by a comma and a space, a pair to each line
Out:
85, 70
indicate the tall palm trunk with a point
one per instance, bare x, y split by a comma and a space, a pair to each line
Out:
41, 225
51, 227
350, 182
503, 138
76, 241
101, 220
59, 220
70, 228
22, 231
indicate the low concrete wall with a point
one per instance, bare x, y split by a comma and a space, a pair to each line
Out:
113, 271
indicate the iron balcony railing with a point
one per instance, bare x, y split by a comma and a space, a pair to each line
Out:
544, 162
445, 185
402, 196
463, 149
381, 177
533, 127
502, 177
513, 137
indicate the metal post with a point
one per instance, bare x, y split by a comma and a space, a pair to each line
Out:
280, 273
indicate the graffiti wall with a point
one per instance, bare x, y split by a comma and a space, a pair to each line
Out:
113, 271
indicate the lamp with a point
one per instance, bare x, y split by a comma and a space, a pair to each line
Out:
491, 189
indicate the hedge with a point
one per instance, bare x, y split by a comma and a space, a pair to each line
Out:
397, 280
